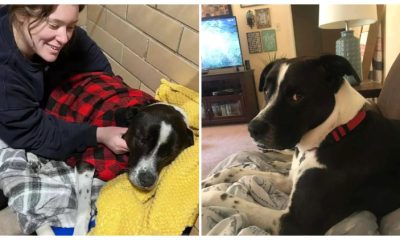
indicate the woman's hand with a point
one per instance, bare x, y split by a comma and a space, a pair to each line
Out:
112, 138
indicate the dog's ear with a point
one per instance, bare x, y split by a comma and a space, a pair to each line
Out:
337, 67
190, 139
264, 73
148, 101
124, 116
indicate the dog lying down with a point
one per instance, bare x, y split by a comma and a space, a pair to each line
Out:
346, 157
157, 133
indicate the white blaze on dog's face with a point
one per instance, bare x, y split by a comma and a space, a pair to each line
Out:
144, 173
299, 95
271, 93
156, 135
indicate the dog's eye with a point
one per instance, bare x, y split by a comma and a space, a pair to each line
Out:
142, 141
265, 96
297, 97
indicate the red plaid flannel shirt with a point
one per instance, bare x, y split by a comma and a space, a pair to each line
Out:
93, 98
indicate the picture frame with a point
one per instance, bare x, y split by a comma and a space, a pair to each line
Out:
249, 5
263, 18
254, 42
268, 38
215, 10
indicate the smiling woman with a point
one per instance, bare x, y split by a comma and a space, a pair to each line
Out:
44, 37
43, 30
39, 45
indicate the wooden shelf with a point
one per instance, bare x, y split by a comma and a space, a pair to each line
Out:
238, 107
369, 89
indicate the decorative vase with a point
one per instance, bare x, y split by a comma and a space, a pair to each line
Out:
348, 47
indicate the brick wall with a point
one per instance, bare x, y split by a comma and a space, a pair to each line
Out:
145, 43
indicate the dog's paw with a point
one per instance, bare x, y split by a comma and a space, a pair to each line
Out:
215, 198
228, 175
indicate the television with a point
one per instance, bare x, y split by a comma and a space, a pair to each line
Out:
220, 44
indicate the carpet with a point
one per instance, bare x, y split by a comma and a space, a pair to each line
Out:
219, 142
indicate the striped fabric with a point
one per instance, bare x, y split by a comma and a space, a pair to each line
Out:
40, 191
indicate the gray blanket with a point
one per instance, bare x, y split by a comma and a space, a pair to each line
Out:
217, 220
40, 191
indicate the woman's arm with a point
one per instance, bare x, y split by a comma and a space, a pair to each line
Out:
47, 136
34, 130
23, 124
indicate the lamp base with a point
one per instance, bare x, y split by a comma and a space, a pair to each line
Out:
348, 47
352, 80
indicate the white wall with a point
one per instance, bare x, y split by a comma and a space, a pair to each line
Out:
392, 38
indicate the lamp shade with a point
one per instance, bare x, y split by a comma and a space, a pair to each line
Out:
348, 16
336, 16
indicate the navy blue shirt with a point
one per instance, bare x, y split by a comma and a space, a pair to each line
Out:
25, 85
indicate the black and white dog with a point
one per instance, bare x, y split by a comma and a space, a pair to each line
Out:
157, 134
346, 157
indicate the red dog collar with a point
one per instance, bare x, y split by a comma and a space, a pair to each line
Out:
342, 130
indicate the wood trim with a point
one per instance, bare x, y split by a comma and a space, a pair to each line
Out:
369, 89
371, 41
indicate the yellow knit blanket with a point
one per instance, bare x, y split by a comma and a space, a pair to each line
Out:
173, 204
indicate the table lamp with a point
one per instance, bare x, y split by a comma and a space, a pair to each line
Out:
347, 16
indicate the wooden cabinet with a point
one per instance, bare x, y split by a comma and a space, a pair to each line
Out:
228, 98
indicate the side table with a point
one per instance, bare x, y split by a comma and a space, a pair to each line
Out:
369, 89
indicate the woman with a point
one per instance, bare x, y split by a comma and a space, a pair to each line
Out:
40, 45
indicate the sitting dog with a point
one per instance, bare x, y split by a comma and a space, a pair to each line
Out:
346, 156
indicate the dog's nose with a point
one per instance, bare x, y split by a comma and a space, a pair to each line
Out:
257, 128
146, 179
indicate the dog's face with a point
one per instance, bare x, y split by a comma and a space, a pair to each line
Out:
156, 135
299, 95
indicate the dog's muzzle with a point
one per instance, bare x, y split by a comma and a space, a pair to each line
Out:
258, 129
143, 179
147, 179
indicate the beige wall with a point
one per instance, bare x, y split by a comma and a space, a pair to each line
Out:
145, 43
281, 21
392, 38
